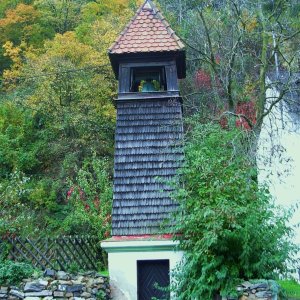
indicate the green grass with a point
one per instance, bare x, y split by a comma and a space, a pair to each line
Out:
290, 288
104, 273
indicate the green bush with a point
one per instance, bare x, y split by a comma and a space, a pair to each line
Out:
12, 273
73, 268
101, 295
230, 228
16, 216
90, 200
19, 139
38, 167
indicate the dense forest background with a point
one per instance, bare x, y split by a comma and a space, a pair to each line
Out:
57, 113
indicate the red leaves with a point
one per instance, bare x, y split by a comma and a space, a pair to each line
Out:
81, 194
203, 80
97, 202
82, 197
223, 122
246, 109
69, 192
8, 235
245, 114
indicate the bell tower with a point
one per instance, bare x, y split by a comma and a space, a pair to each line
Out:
148, 59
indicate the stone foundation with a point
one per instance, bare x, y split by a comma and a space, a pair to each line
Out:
60, 285
258, 291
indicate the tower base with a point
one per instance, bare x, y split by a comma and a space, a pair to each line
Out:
136, 263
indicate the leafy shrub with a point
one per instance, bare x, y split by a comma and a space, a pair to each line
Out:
89, 200
101, 295
16, 217
36, 164
19, 140
231, 230
73, 268
13, 272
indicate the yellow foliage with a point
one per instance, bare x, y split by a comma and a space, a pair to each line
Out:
103, 34
21, 14
104, 7
70, 89
250, 89
249, 22
115, 6
104, 20
16, 54
12, 52
67, 47
250, 26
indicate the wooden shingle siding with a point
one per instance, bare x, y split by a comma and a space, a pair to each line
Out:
148, 158
148, 153
146, 123
140, 180
147, 203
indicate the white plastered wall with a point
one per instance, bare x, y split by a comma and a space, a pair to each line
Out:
122, 262
279, 160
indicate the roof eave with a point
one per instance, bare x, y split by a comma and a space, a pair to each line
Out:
178, 55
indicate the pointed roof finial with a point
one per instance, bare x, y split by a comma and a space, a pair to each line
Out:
148, 31
147, 4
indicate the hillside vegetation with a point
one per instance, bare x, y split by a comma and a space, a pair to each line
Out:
57, 115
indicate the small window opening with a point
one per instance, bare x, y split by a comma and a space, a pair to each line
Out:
145, 80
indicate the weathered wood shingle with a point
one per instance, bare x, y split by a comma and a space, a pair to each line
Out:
147, 156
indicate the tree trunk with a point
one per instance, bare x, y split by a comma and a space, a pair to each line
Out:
262, 75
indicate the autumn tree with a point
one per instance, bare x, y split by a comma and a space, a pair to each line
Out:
234, 46
61, 15
9, 4
22, 24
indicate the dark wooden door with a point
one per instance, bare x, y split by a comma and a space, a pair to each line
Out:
153, 279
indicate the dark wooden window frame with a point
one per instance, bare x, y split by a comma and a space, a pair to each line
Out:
125, 71
135, 71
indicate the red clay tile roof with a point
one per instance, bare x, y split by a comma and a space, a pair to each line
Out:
148, 31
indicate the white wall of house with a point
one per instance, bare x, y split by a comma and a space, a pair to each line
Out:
122, 263
279, 158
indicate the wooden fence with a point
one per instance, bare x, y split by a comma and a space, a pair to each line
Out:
62, 253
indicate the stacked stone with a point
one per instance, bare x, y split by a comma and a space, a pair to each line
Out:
257, 291
60, 285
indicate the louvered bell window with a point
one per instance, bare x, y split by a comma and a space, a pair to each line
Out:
150, 79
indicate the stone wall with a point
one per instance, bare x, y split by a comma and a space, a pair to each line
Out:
264, 290
60, 285
258, 291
